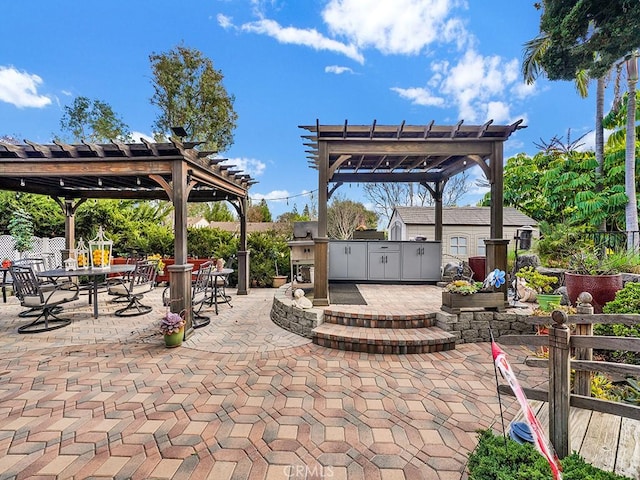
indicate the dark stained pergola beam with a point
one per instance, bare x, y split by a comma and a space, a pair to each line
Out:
386, 177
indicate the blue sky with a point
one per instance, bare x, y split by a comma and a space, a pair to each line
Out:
288, 63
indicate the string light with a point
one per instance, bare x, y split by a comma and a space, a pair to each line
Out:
310, 193
61, 183
99, 182
137, 180
22, 184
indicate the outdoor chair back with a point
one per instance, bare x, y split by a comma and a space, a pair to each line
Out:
201, 293
45, 300
133, 288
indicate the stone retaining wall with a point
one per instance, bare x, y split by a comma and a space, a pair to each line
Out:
468, 327
473, 327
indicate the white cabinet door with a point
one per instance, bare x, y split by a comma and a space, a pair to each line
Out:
347, 260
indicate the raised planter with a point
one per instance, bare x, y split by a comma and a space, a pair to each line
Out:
602, 288
454, 302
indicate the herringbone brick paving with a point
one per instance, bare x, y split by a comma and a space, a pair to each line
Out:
241, 399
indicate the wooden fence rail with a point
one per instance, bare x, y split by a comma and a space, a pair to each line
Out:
560, 343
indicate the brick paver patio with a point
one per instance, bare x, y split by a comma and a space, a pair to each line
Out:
241, 399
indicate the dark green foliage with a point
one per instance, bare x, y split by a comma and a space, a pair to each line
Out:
211, 242
92, 121
627, 300
590, 35
491, 460
267, 248
189, 92
21, 228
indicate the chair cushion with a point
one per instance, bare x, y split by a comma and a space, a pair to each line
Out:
58, 296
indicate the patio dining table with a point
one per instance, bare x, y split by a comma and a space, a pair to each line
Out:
94, 273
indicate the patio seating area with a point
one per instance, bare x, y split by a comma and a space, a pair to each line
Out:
242, 398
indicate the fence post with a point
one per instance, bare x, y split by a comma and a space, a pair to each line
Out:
582, 379
559, 378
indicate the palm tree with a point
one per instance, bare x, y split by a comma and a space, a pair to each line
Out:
532, 69
631, 210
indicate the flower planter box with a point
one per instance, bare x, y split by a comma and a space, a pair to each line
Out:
454, 302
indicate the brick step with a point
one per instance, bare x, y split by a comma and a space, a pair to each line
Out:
375, 320
383, 340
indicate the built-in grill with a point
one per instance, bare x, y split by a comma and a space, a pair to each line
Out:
302, 252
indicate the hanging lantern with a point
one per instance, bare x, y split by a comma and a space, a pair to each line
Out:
81, 254
100, 250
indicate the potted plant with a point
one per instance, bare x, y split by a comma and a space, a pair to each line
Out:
596, 273
460, 293
278, 280
172, 327
541, 285
156, 257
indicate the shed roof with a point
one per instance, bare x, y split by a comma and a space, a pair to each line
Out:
462, 216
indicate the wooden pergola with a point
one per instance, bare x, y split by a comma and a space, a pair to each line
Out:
426, 154
175, 171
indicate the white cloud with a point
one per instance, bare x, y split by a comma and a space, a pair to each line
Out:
498, 111
398, 27
224, 21
480, 87
307, 37
21, 88
138, 135
249, 166
420, 96
337, 69
273, 196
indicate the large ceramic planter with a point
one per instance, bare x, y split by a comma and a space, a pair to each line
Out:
279, 280
454, 302
602, 288
175, 339
478, 266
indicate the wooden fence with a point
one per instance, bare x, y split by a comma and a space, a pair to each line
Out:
560, 342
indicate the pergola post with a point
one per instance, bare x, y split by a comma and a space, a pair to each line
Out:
321, 254
496, 246
243, 253
180, 272
438, 211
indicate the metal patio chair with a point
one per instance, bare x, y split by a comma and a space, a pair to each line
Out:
47, 300
132, 289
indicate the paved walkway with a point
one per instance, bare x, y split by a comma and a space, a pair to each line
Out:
241, 399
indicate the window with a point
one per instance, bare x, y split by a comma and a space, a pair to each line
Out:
458, 245
481, 248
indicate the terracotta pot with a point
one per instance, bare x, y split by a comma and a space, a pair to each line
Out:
279, 280
602, 288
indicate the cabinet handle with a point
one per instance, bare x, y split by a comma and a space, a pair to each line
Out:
345, 250
349, 250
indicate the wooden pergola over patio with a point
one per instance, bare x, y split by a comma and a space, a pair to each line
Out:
428, 154
175, 171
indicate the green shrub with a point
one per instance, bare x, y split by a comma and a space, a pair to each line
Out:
492, 460
626, 301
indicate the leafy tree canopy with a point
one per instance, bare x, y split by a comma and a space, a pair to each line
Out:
589, 35
344, 216
92, 121
190, 94
259, 212
558, 185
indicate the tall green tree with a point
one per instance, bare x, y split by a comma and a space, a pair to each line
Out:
218, 212
259, 212
189, 92
557, 185
593, 35
92, 121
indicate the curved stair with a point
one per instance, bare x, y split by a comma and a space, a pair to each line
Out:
378, 333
